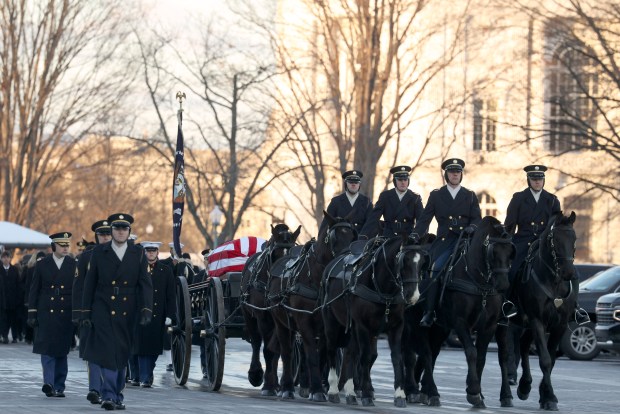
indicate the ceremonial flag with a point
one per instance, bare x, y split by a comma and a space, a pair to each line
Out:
232, 255
178, 188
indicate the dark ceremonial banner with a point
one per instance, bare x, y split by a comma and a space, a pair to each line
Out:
178, 188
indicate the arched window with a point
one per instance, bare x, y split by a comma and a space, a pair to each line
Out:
570, 84
488, 206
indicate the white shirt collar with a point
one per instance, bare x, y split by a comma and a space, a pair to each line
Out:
119, 250
352, 198
58, 261
536, 194
453, 191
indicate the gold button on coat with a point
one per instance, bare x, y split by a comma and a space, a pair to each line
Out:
113, 297
113, 312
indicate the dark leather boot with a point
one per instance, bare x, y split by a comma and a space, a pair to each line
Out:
429, 308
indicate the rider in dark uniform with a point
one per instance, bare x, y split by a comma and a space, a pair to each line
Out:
456, 210
103, 234
351, 200
49, 310
400, 207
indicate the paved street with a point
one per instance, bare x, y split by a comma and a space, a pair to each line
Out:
582, 387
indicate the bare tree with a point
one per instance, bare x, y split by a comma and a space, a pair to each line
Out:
61, 76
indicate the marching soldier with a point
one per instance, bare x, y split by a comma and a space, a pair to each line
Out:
103, 234
10, 299
400, 207
149, 339
202, 274
49, 310
350, 201
456, 210
117, 293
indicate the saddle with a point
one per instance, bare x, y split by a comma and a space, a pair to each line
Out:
342, 266
284, 266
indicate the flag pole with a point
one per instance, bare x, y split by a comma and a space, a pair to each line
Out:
179, 183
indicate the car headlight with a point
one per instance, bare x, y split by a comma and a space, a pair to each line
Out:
616, 315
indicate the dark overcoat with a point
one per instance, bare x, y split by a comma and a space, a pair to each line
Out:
452, 215
340, 206
398, 215
116, 293
78, 290
13, 294
49, 303
530, 218
149, 339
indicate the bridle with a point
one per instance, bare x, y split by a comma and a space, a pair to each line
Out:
489, 244
330, 237
550, 240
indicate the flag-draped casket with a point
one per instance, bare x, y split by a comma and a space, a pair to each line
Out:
232, 255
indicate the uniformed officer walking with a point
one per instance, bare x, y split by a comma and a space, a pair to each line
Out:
49, 312
117, 293
456, 210
103, 234
350, 202
149, 340
399, 207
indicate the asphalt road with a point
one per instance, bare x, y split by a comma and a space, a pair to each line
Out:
581, 387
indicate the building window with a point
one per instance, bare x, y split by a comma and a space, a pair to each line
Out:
485, 124
488, 206
582, 206
569, 83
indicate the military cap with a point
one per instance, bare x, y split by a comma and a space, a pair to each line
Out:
453, 164
171, 245
535, 171
82, 243
101, 227
62, 238
205, 253
354, 176
149, 245
400, 171
120, 220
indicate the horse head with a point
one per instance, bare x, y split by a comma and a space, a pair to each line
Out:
335, 237
412, 262
493, 252
282, 239
557, 247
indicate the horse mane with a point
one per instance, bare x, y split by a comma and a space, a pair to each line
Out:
489, 226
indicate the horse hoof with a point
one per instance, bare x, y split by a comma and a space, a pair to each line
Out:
334, 398
358, 393
476, 400
318, 397
367, 402
423, 399
522, 395
413, 398
268, 393
304, 392
400, 402
288, 395
549, 406
351, 400
506, 402
434, 402
256, 377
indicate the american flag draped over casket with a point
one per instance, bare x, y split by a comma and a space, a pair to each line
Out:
232, 255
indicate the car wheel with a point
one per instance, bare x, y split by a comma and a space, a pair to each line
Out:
579, 342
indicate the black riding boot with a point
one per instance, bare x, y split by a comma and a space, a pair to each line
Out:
429, 307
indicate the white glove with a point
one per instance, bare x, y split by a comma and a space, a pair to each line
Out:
168, 322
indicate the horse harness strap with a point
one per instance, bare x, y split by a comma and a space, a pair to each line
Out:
557, 302
370, 295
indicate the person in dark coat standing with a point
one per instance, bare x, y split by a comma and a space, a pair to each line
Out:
457, 211
103, 234
399, 207
13, 300
149, 340
29, 331
49, 312
117, 294
352, 204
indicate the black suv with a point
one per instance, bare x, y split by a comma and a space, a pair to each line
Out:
608, 322
579, 342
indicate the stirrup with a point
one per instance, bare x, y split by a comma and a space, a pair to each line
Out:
509, 309
581, 316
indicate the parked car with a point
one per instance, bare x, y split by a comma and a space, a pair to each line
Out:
587, 270
608, 322
579, 342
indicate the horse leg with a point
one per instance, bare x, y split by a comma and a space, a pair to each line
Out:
482, 346
363, 338
525, 383
501, 336
409, 360
313, 364
471, 355
432, 339
270, 387
395, 342
285, 338
548, 400
255, 373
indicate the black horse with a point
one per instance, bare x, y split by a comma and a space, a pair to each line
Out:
297, 293
546, 292
472, 300
258, 321
361, 304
